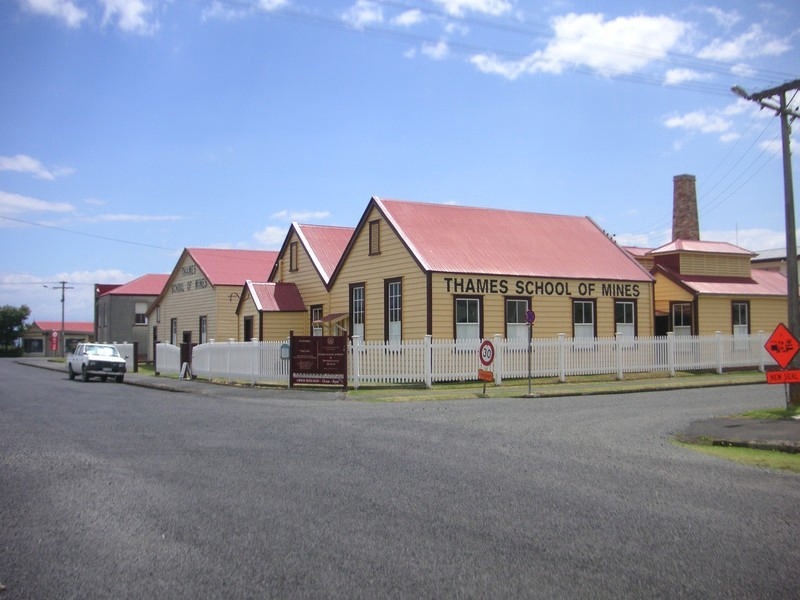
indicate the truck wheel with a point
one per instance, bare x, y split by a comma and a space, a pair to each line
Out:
84, 374
70, 372
120, 378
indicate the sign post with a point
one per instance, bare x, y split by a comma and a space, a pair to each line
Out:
530, 317
486, 354
783, 346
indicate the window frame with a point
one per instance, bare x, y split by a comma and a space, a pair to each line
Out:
619, 302
375, 237
389, 308
315, 314
673, 306
202, 328
293, 257
592, 302
479, 313
508, 323
352, 312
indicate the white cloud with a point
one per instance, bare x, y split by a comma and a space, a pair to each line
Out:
622, 45
678, 76
300, 216
743, 70
15, 204
271, 236
22, 163
271, 5
409, 18
753, 42
130, 15
362, 14
437, 51
726, 19
699, 121
458, 8
64, 10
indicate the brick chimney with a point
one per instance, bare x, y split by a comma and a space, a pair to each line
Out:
684, 209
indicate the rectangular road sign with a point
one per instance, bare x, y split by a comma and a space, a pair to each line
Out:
788, 376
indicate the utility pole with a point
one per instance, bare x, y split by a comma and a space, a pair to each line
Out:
766, 99
62, 342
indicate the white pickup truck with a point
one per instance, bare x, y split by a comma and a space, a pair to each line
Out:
96, 360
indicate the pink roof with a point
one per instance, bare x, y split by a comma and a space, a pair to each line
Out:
760, 283
699, 246
273, 297
325, 245
637, 251
460, 239
72, 326
146, 285
233, 267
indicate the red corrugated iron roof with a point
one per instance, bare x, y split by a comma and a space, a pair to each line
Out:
325, 245
760, 283
233, 267
147, 285
71, 326
460, 239
273, 297
700, 246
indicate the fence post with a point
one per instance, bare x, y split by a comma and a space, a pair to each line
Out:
671, 353
718, 339
428, 359
618, 355
255, 361
499, 362
562, 357
356, 345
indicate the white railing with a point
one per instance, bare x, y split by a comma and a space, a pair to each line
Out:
428, 361
251, 362
126, 351
168, 359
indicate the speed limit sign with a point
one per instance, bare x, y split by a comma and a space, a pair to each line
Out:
486, 353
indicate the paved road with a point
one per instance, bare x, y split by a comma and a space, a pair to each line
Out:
114, 491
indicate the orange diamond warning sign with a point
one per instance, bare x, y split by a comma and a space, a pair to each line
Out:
782, 345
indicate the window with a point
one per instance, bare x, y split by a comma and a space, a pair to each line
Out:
394, 310
141, 313
173, 332
468, 322
741, 324
357, 309
203, 327
316, 319
374, 237
293, 256
517, 327
682, 318
625, 318
583, 325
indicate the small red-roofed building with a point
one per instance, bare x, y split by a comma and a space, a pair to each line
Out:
269, 311
120, 311
42, 338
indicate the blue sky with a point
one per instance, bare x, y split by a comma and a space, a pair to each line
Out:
130, 129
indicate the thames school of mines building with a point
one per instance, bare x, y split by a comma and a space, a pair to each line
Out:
412, 269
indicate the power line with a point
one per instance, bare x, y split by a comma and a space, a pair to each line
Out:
85, 234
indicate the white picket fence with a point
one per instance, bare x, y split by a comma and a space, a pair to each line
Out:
428, 361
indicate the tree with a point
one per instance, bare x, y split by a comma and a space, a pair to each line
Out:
12, 323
